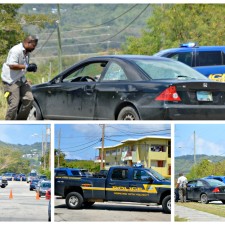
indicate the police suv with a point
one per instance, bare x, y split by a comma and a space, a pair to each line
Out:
208, 60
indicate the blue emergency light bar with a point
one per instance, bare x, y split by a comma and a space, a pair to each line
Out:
189, 45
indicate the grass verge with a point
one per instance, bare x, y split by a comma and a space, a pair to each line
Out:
179, 219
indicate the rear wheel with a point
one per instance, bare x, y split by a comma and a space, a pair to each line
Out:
223, 201
204, 199
35, 113
166, 204
74, 200
128, 113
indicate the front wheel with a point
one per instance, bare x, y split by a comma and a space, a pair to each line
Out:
128, 113
166, 204
35, 112
74, 200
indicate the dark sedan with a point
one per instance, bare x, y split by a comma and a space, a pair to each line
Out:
130, 87
206, 190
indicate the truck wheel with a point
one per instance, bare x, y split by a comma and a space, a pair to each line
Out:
74, 200
88, 204
166, 204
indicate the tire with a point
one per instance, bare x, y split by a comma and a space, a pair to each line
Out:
88, 204
204, 199
166, 204
74, 200
223, 201
35, 113
128, 113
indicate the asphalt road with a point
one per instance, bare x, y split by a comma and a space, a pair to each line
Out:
23, 206
110, 211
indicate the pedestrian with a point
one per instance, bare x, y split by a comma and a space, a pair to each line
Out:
182, 187
17, 89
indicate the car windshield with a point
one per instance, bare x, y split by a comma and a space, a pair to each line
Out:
46, 185
168, 69
213, 182
156, 174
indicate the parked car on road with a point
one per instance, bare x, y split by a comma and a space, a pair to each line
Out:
208, 60
44, 186
129, 88
33, 184
9, 176
20, 177
206, 190
3, 182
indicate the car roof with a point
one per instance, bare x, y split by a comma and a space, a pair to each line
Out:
190, 49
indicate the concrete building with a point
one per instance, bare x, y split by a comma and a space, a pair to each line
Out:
152, 151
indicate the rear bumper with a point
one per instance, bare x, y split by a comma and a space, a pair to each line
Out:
183, 112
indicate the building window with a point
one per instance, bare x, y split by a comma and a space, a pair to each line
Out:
158, 148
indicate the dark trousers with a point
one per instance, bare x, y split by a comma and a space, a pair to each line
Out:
19, 92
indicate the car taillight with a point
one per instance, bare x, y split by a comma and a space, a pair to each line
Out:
216, 190
169, 94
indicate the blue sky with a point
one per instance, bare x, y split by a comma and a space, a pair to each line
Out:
22, 133
79, 141
209, 139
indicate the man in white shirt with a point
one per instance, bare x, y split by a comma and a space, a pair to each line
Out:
182, 186
16, 88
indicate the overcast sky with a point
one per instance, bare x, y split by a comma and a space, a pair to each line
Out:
79, 141
209, 139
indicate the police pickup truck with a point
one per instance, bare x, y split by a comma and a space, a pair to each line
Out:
122, 183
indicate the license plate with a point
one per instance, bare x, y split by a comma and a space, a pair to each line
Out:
204, 96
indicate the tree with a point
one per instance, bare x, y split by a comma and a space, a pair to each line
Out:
11, 160
13, 26
173, 24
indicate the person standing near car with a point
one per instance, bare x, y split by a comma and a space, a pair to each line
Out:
182, 187
16, 86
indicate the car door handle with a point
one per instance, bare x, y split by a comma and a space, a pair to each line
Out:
59, 181
89, 89
112, 184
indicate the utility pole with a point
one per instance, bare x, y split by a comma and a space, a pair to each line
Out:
194, 150
102, 150
59, 146
59, 39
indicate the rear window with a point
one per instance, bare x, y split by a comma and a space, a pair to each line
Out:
209, 58
167, 70
213, 182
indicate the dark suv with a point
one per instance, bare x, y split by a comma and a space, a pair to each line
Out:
72, 172
208, 60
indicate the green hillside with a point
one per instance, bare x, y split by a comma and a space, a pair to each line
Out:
186, 162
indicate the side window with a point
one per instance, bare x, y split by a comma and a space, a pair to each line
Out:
211, 58
91, 71
61, 173
120, 174
184, 57
199, 183
114, 72
192, 184
140, 175
75, 173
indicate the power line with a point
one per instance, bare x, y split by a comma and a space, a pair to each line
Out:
128, 24
109, 20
